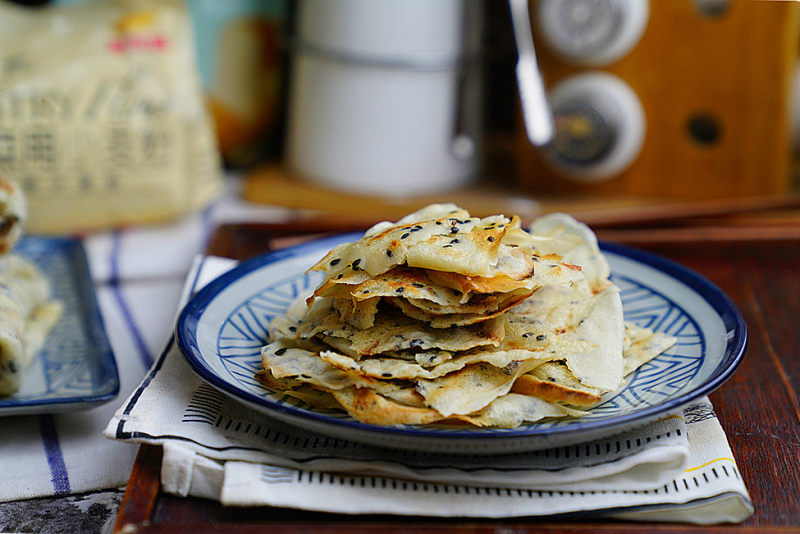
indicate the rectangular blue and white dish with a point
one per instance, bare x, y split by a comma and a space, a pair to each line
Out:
76, 368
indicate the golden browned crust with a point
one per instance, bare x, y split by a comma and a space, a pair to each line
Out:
369, 407
553, 392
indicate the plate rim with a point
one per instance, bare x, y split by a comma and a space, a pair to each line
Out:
9, 406
728, 312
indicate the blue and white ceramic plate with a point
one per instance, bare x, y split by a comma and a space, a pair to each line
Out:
76, 368
222, 329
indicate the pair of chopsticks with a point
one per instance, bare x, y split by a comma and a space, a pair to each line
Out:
756, 219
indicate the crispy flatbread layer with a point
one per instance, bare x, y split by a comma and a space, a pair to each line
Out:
479, 304
471, 388
393, 368
286, 361
642, 345
554, 382
441, 238
312, 396
575, 243
592, 321
26, 316
400, 281
452, 320
412, 292
444, 317
393, 331
370, 407
357, 313
545, 271
445, 288
513, 409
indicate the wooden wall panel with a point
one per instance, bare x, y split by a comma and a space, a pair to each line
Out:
737, 68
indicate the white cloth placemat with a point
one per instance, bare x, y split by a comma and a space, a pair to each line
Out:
60, 454
679, 468
139, 273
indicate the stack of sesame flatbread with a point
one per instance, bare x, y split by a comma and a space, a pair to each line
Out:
444, 317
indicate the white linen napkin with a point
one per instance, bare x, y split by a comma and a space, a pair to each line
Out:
61, 454
139, 273
679, 468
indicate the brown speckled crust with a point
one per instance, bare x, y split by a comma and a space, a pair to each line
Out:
477, 284
91, 513
369, 407
436, 238
573, 395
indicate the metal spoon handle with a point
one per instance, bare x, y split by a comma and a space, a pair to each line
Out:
536, 114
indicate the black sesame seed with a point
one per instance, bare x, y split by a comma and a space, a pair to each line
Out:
280, 352
417, 285
365, 292
527, 334
356, 262
399, 290
439, 223
447, 246
386, 375
339, 277
389, 253
490, 238
405, 235
540, 337
455, 241
334, 262
454, 230
292, 329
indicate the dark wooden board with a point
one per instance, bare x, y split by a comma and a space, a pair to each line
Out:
758, 406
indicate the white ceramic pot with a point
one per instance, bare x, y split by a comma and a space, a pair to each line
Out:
381, 101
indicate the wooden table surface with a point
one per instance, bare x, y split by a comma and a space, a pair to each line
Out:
758, 406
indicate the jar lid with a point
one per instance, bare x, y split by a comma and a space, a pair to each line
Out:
388, 31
